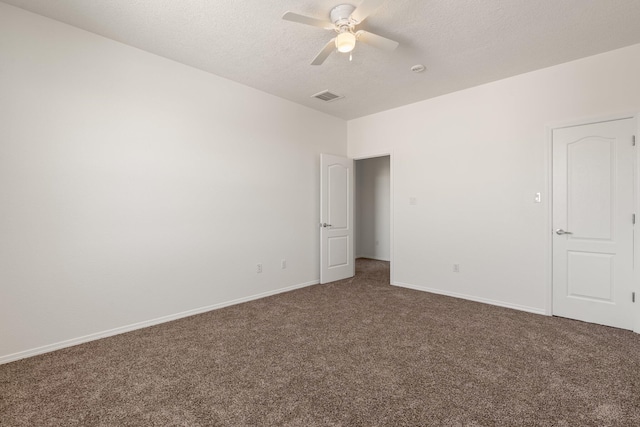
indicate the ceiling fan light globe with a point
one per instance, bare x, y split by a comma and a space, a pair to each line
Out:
345, 42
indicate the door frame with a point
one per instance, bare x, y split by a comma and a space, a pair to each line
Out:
548, 160
391, 216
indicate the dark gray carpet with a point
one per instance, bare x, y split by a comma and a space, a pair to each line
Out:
358, 352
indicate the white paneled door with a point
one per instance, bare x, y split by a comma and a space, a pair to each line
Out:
593, 215
336, 218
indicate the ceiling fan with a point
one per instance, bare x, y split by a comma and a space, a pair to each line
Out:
344, 20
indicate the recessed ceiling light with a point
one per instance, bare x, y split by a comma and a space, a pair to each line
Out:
418, 68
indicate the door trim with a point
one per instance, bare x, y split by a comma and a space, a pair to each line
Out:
548, 166
391, 205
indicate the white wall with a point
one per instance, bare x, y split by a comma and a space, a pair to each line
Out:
473, 160
373, 208
133, 187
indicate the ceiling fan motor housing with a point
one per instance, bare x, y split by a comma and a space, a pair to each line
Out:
341, 16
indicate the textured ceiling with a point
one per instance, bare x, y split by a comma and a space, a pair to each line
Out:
462, 43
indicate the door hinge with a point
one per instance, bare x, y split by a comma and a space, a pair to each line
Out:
633, 297
633, 219
633, 140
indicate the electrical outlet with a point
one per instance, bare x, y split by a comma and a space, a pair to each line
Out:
456, 268
259, 268
283, 264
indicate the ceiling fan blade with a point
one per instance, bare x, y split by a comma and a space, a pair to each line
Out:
301, 19
324, 53
376, 40
366, 8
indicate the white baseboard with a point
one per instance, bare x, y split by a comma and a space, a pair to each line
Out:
372, 257
128, 328
473, 298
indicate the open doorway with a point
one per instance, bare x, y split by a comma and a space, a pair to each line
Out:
373, 208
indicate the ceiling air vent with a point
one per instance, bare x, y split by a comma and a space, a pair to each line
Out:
327, 96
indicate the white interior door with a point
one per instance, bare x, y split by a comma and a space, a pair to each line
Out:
593, 208
336, 218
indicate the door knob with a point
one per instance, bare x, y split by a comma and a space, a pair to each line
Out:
324, 224
560, 232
